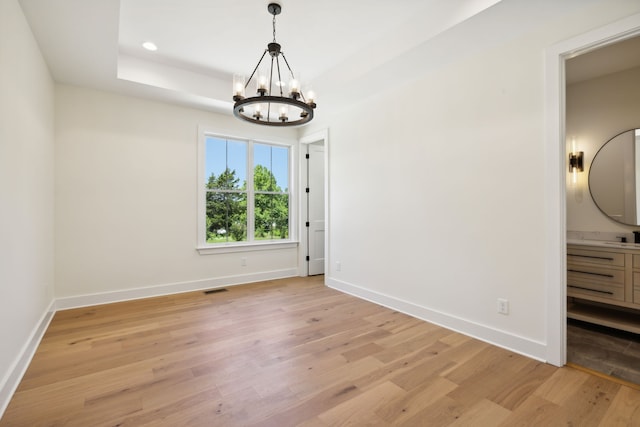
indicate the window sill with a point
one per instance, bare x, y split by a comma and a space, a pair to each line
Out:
245, 247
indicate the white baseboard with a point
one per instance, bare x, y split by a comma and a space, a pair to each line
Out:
15, 373
517, 344
66, 303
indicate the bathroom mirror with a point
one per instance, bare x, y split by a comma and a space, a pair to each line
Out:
614, 178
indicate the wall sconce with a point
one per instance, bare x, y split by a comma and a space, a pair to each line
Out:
576, 164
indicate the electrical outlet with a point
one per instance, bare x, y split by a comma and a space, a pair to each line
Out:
338, 266
243, 262
503, 306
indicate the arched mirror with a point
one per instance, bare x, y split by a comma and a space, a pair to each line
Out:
614, 178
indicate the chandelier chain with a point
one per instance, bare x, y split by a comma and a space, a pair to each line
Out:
274, 28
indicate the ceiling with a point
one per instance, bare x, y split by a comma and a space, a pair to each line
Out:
609, 59
343, 48
334, 44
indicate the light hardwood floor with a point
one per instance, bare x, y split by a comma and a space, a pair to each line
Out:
292, 352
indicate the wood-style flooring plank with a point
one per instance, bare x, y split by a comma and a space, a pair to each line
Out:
409, 404
292, 352
625, 407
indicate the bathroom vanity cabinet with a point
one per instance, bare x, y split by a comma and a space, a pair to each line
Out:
603, 283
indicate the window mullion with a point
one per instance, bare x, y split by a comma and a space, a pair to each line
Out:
250, 194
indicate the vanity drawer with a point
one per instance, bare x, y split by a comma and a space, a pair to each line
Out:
595, 274
583, 256
636, 261
585, 280
636, 286
612, 292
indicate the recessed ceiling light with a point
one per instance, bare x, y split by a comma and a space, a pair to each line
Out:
150, 46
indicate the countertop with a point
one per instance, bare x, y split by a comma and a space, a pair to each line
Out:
604, 243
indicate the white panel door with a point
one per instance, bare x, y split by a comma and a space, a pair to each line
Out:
315, 207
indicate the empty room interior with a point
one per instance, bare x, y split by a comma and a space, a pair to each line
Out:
223, 212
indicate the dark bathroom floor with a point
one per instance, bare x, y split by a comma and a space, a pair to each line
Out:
610, 351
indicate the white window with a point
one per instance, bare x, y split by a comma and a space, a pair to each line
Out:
245, 196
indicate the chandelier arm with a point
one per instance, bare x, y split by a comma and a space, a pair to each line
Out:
292, 76
288, 67
270, 88
255, 69
279, 76
271, 76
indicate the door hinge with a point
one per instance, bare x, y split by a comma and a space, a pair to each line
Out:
307, 156
307, 189
307, 257
307, 223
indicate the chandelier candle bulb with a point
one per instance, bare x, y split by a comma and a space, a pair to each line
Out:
311, 98
261, 85
294, 88
257, 112
284, 112
238, 87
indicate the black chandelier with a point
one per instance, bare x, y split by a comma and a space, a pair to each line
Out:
280, 107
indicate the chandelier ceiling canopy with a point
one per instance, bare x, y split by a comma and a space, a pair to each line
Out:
277, 102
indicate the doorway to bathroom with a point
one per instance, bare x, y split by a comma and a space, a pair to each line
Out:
603, 316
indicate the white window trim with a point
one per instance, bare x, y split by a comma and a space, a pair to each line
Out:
205, 248
222, 248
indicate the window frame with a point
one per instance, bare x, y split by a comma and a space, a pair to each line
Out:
250, 244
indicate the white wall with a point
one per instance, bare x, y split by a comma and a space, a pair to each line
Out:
437, 202
126, 200
598, 110
26, 195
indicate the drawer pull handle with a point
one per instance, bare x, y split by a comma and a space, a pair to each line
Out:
593, 274
591, 290
592, 257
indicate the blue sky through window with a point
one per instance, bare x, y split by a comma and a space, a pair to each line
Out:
222, 153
